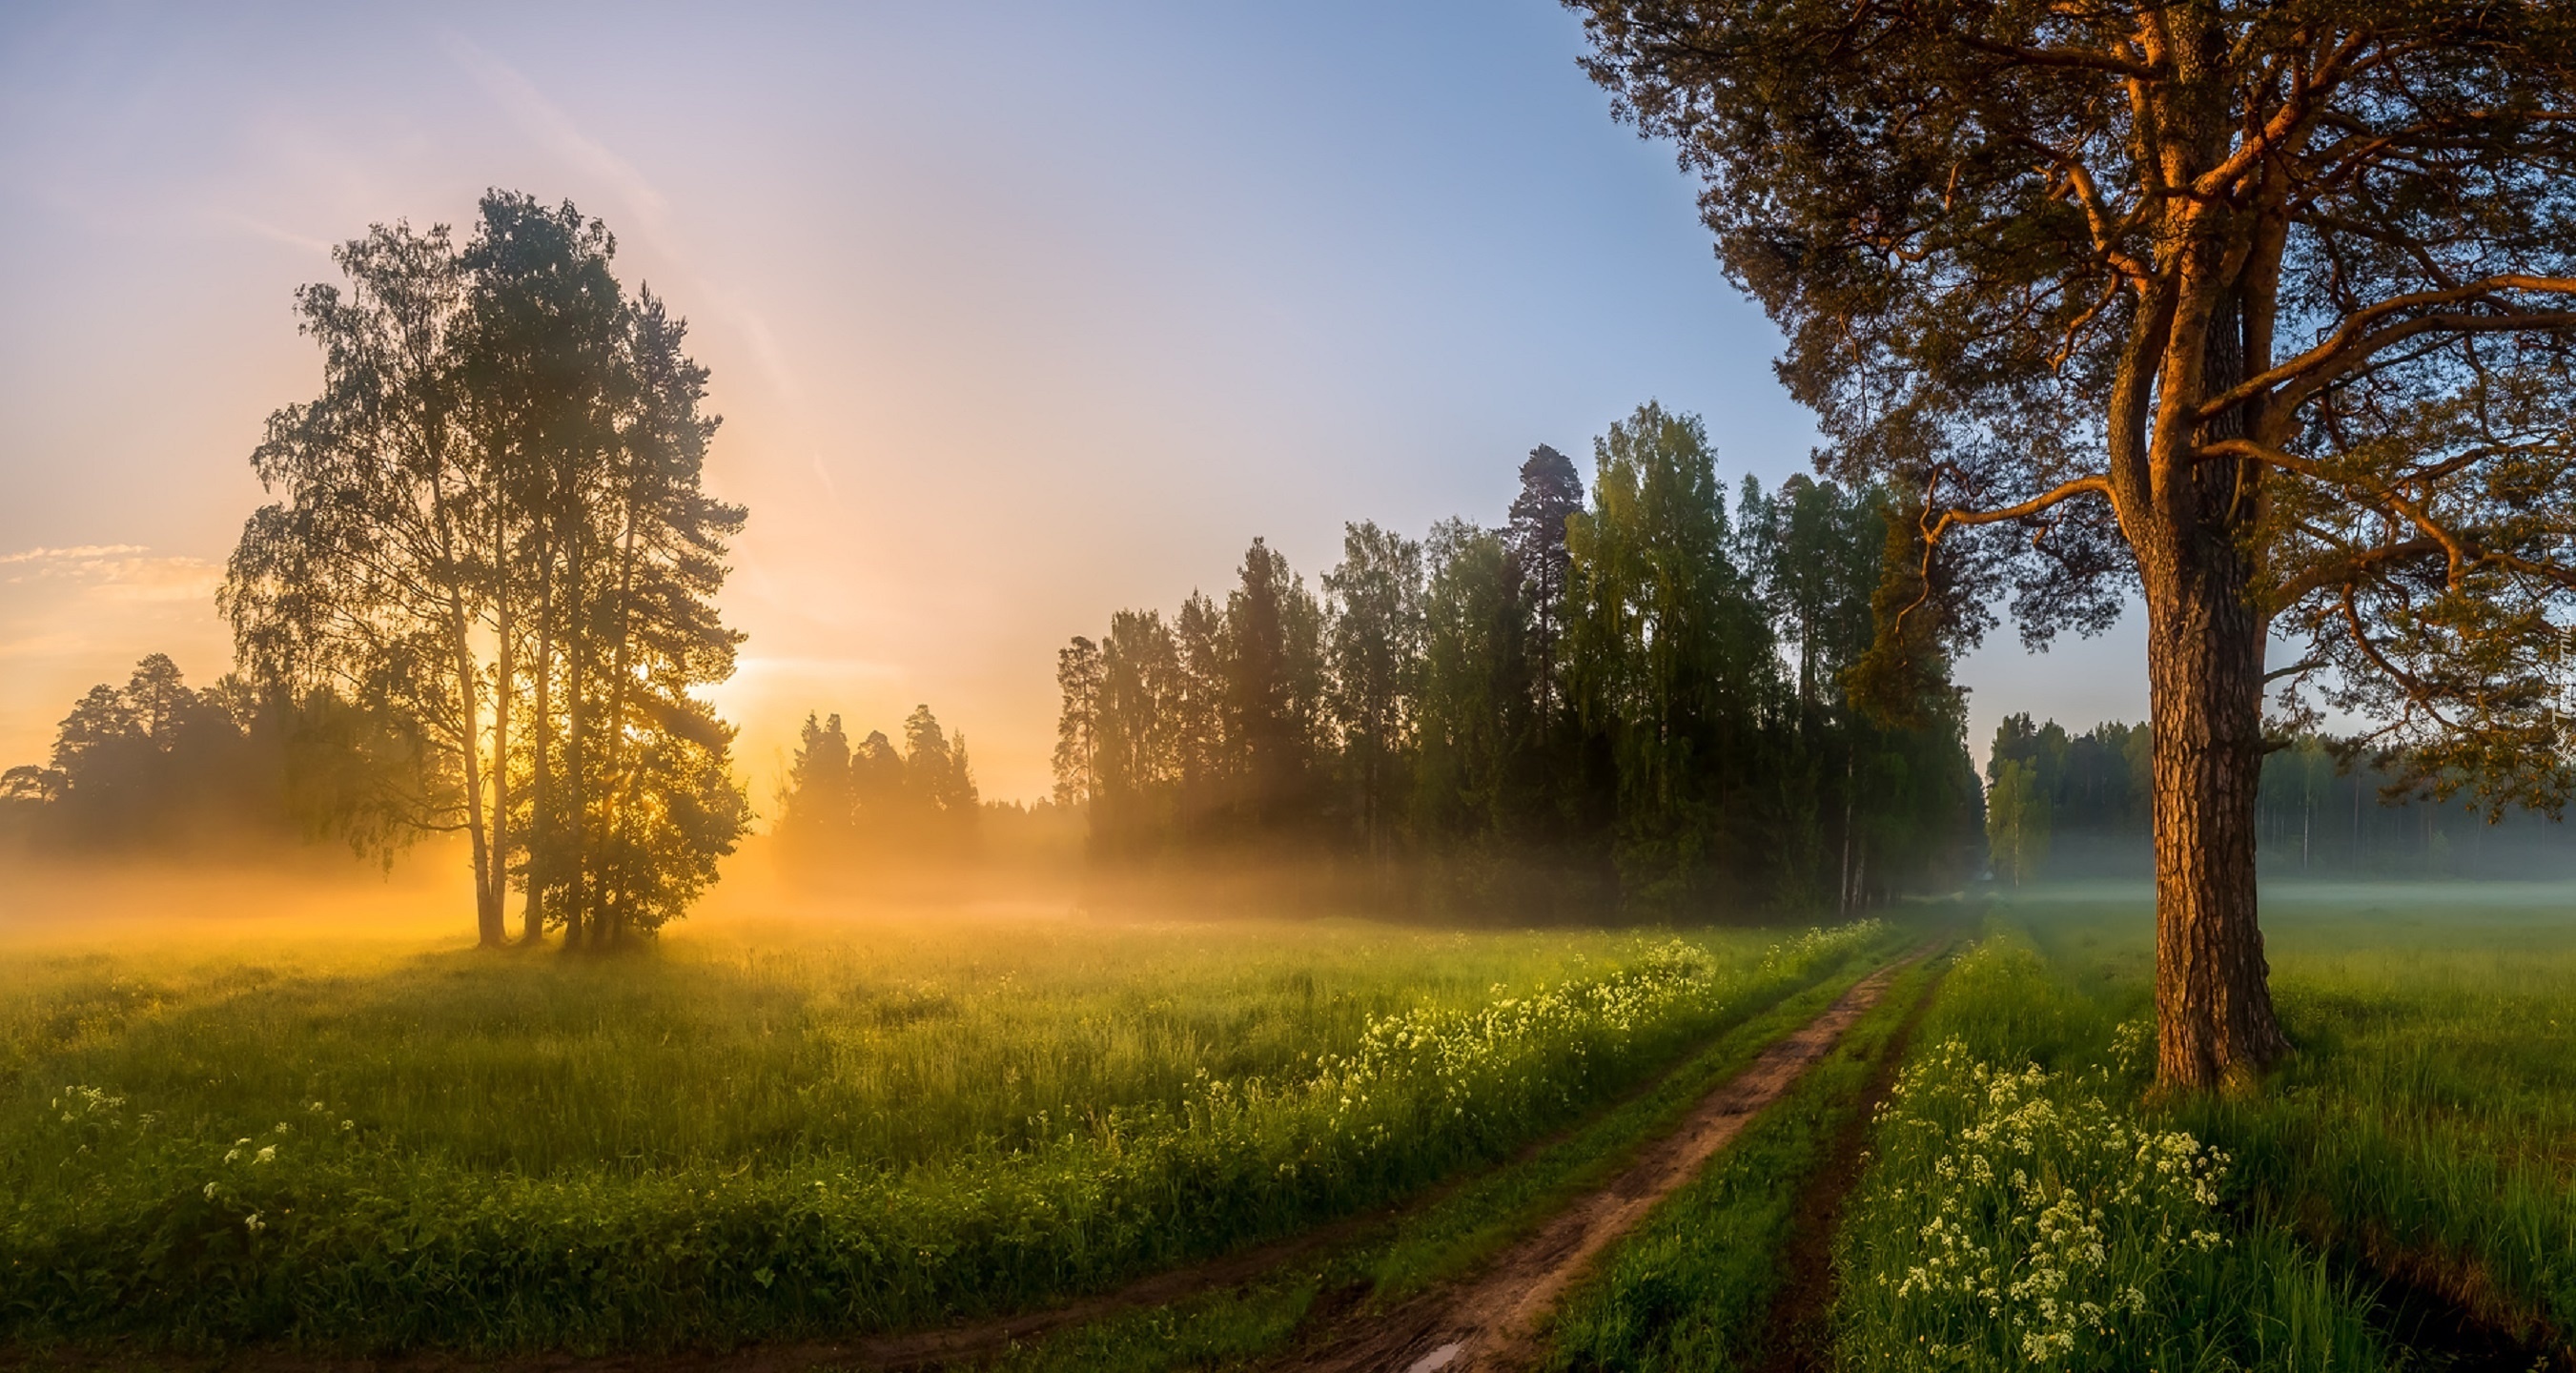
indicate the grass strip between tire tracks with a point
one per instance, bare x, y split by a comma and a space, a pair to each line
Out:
1696, 1287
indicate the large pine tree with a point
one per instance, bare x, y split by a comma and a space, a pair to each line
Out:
2258, 312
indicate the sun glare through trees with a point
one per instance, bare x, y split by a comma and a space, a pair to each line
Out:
1484, 846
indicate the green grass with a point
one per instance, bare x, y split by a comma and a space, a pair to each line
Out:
2427, 1125
2023, 1209
1449, 1235
2428, 1114
1693, 1287
888, 1127
1489, 1213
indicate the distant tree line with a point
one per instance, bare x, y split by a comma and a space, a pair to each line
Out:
159, 763
1644, 694
2065, 805
873, 799
491, 528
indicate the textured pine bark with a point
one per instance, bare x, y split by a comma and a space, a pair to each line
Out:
2215, 1023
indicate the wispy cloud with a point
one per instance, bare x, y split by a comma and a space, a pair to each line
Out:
87, 551
764, 344
60, 580
116, 572
644, 205
260, 228
544, 121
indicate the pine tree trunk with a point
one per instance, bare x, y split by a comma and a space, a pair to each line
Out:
2185, 517
2205, 674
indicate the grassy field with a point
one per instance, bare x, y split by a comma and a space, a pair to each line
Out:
826, 1130
1412, 1252
767, 1131
2431, 1127
2031, 1204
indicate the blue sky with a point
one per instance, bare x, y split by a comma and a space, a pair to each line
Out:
1016, 315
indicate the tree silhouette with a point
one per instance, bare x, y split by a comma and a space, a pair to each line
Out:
1668, 644
369, 579
938, 776
159, 763
1273, 686
876, 802
2258, 310
1551, 492
493, 515
818, 805
1077, 739
1197, 691
1375, 639
1477, 730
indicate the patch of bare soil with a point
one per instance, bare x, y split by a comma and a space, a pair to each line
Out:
1492, 1321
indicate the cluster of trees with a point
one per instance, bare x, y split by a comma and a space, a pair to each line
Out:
161, 763
492, 529
2265, 313
2068, 805
844, 799
1646, 688
2042, 780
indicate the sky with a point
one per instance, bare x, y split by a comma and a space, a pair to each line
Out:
1016, 314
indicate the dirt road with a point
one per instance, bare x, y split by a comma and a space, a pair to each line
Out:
1491, 1321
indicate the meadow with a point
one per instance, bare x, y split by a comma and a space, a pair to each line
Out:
782, 1131
826, 1129
2400, 1195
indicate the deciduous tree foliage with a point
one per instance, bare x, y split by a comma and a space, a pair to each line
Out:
492, 527
1667, 648
2017, 822
1374, 646
159, 763
1595, 689
2261, 311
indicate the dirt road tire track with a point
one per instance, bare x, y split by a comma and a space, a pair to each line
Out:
1796, 1337
1492, 1320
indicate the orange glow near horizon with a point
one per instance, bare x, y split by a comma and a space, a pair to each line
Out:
1014, 321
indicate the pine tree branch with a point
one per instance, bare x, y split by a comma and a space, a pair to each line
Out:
2356, 341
